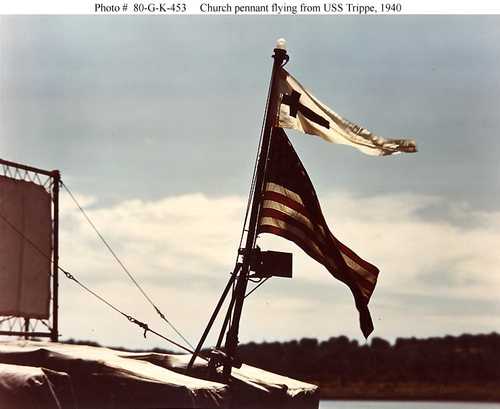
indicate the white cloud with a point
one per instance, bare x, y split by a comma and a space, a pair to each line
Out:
187, 234
407, 248
182, 248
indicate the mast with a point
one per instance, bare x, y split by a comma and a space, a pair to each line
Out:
56, 181
280, 57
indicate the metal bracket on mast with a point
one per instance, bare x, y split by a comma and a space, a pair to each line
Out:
196, 352
227, 357
280, 58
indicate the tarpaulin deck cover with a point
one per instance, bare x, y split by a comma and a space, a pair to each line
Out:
31, 387
81, 377
102, 379
250, 387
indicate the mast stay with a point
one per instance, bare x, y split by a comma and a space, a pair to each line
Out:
240, 276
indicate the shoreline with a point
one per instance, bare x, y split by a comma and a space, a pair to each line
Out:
486, 392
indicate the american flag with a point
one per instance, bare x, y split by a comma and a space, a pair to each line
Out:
290, 209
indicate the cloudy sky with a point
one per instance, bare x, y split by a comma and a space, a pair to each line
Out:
154, 124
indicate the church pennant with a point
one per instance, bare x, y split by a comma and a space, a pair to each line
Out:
301, 111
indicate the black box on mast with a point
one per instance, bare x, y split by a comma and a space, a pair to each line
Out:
271, 264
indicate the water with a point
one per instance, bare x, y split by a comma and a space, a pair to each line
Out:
357, 404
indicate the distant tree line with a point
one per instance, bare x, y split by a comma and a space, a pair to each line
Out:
466, 367
445, 360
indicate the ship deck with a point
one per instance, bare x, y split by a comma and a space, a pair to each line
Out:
56, 375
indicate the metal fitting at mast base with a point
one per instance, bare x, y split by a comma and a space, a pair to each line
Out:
280, 57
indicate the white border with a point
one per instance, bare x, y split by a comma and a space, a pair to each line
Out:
194, 7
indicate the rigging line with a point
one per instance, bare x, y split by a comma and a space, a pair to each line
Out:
124, 268
257, 286
20, 233
131, 319
100, 298
252, 185
45, 324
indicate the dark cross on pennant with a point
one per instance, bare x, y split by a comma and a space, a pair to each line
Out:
295, 106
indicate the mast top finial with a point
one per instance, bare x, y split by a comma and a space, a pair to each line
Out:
281, 44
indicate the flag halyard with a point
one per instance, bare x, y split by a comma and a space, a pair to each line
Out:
291, 209
301, 111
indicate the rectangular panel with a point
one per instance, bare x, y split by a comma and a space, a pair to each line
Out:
25, 248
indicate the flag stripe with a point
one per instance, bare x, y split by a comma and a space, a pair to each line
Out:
278, 197
271, 208
273, 187
353, 256
277, 228
287, 201
288, 223
298, 212
291, 209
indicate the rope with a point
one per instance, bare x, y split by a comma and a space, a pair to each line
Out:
124, 268
257, 286
252, 185
250, 193
70, 276
131, 319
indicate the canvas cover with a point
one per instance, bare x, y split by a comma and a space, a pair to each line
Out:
102, 378
25, 248
33, 387
251, 388
76, 376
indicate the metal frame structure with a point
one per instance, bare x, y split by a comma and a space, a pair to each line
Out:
26, 326
241, 274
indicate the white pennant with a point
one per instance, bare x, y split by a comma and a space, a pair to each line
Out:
300, 110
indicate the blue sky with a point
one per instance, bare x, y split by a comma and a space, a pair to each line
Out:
154, 124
